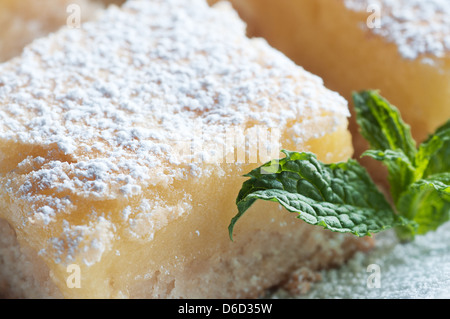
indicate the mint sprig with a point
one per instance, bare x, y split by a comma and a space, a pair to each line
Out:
343, 198
418, 177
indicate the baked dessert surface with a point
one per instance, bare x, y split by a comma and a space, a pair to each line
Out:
115, 157
23, 21
398, 47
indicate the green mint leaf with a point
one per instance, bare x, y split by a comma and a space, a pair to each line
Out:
426, 203
401, 171
340, 197
381, 124
433, 155
418, 178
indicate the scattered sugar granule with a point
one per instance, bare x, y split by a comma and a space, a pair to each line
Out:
416, 270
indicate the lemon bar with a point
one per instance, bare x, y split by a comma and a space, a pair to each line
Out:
122, 149
400, 47
25, 20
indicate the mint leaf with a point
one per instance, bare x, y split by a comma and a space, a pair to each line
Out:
389, 137
427, 203
433, 155
418, 178
340, 197
401, 171
381, 124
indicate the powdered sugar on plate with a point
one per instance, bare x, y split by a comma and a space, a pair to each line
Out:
418, 269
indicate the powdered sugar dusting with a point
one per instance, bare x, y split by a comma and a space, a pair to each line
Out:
417, 27
105, 105
127, 86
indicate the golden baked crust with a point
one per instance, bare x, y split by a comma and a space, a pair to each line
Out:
114, 156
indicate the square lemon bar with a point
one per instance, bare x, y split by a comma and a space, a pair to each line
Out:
122, 149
